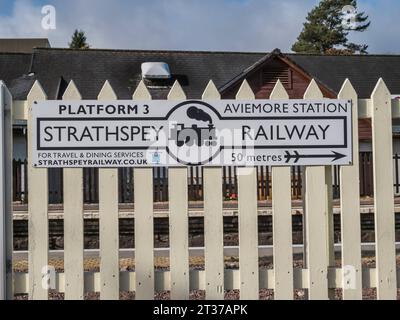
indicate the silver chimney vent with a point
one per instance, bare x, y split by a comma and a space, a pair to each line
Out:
155, 70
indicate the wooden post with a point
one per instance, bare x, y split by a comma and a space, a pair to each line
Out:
304, 215
73, 221
108, 216
38, 198
248, 219
8, 198
282, 221
213, 221
350, 209
6, 222
178, 221
316, 219
330, 232
144, 221
383, 192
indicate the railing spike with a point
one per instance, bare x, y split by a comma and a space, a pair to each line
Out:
72, 92
211, 92
313, 91
36, 92
279, 91
347, 89
141, 92
176, 92
380, 90
107, 92
245, 91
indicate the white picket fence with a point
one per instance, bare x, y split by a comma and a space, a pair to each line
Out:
320, 274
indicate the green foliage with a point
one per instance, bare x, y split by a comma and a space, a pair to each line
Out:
324, 31
78, 40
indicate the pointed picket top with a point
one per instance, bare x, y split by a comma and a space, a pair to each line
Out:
5, 88
313, 91
141, 92
72, 92
7, 95
279, 91
347, 91
107, 92
211, 92
3, 85
176, 92
381, 91
245, 92
36, 92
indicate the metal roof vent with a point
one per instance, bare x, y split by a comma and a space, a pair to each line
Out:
155, 70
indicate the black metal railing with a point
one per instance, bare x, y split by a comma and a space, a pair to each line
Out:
195, 182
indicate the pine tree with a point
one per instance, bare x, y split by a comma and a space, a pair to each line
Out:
325, 33
78, 40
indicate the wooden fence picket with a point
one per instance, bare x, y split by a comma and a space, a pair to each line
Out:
144, 221
73, 221
383, 191
330, 241
213, 221
178, 221
350, 210
248, 219
38, 238
7, 126
316, 221
108, 221
282, 221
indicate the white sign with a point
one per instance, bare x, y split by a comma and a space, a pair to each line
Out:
126, 133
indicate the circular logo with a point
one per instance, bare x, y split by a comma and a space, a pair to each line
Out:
193, 133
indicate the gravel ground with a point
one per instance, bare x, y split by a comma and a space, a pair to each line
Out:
265, 294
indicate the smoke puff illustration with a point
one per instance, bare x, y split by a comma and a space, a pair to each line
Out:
198, 114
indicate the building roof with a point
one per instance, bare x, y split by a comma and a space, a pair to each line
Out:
13, 66
90, 68
362, 70
54, 68
18, 45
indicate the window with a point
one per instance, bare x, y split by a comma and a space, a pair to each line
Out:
269, 76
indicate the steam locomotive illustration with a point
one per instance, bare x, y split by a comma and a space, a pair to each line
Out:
195, 135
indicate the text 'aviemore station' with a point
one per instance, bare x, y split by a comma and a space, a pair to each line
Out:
287, 108
229, 108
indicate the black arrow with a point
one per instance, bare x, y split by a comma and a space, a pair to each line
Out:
296, 156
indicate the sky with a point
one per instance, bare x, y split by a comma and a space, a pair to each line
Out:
216, 25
